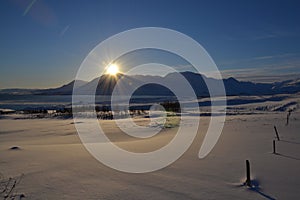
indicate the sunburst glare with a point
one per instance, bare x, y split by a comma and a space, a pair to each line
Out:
112, 69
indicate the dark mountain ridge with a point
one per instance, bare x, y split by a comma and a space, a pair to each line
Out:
153, 86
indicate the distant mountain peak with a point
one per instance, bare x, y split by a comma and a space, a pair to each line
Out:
105, 84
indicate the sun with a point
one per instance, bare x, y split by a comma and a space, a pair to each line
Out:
112, 69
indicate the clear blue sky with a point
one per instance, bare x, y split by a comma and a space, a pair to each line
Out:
44, 42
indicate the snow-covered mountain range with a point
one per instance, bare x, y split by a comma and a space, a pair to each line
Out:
106, 83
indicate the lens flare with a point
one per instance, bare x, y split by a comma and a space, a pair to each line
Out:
112, 69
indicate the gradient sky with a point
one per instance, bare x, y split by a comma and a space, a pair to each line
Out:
44, 42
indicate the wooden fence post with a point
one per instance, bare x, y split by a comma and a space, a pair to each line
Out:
277, 135
248, 180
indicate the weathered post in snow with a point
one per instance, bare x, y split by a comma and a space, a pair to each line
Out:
288, 117
248, 180
276, 132
274, 147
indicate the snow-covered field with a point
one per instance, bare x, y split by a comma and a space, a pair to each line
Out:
45, 160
